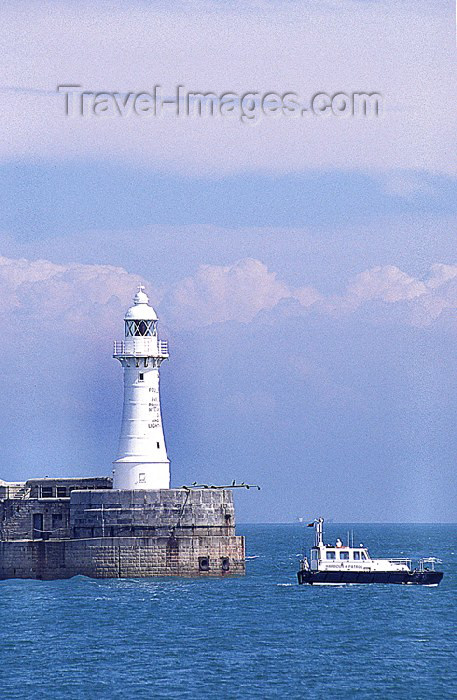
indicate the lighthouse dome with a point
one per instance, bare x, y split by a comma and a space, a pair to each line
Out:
141, 310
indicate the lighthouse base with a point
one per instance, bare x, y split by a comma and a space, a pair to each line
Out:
143, 476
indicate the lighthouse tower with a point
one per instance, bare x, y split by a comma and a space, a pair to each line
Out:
142, 461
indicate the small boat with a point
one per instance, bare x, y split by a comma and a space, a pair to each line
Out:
334, 564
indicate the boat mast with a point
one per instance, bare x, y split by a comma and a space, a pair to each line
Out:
318, 531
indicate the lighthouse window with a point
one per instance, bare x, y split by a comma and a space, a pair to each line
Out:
129, 328
344, 555
140, 328
331, 555
142, 478
141, 377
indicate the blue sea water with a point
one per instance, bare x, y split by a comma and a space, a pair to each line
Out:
261, 636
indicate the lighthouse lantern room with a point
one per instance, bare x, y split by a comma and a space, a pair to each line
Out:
142, 461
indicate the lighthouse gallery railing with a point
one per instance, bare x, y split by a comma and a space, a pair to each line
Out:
146, 347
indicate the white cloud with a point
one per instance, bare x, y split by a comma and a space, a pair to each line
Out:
387, 283
420, 302
89, 300
224, 293
86, 300
440, 275
307, 296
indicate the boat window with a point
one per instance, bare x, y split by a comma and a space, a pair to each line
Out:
344, 555
364, 556
356, 556
331, 555
314, 554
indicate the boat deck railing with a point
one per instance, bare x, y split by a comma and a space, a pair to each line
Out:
400, 560
428, 563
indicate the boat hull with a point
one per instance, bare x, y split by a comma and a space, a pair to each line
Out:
424, 578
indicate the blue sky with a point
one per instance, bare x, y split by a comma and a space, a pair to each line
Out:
305, 273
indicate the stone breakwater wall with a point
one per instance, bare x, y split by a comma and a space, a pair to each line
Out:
18, 518
123, 557
118, 534
139, 513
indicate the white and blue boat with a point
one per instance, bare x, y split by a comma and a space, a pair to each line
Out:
334, 564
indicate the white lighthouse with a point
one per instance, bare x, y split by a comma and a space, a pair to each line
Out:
142, 461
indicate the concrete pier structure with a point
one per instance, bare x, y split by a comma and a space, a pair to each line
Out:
108, 533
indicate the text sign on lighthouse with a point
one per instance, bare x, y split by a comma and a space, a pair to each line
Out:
142, 461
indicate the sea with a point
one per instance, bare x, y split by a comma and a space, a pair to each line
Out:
259, 636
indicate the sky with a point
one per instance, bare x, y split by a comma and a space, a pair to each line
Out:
304, 270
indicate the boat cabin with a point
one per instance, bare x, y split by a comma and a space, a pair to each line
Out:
338, 553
